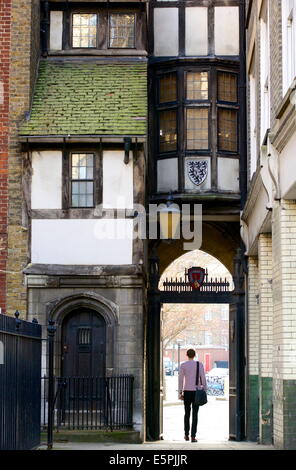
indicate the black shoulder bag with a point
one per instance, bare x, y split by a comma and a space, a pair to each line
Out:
200, 398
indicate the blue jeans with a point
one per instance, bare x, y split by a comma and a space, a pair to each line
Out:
188, 403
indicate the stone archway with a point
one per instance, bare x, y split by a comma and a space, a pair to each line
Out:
58, 309
219, 239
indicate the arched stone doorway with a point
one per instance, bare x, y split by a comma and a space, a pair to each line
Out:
97, 309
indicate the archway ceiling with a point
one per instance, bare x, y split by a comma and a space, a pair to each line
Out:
219, 239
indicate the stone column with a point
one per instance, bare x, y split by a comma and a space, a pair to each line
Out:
253, 350
265, 338
284, 330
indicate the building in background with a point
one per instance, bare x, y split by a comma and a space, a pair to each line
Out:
269, 221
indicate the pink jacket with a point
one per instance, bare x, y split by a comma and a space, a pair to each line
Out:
187, 376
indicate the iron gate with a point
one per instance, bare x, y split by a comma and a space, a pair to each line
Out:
20, 369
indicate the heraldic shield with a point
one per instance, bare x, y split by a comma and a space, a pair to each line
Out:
196, 277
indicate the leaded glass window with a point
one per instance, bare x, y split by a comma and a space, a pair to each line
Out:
84, 30
168, 88
227, 130
167, 131
197, 86
82, 180
227, 87
197, 128
122, 30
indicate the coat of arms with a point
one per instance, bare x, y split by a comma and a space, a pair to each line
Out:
196, 277
197, 171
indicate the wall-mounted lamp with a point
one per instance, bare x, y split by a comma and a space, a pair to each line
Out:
169, 219
127, 148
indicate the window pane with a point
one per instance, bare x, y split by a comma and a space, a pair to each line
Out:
82, 200
122, 30
82, 173
168, 88
227, 130
82, 170
227, 87
167, 131
82, 165
84, 30
75, 200
197, 86
197, 128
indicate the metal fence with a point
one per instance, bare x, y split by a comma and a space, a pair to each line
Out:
20, 367
89, 403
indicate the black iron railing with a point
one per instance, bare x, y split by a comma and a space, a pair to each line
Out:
183, 284
89, 403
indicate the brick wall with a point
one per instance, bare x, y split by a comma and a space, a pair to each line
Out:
265, 293
23, 64
253, 316
5, 29
284, 330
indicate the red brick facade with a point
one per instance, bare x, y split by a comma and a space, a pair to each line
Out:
5, 47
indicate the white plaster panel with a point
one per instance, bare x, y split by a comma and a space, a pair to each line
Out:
117, 180
196, 39
56, 30
46, 180
189, 185
85, 242
167, 175
166, 35
228, 174
288, 169
226, 30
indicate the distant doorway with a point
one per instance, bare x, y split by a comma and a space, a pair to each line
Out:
84, 344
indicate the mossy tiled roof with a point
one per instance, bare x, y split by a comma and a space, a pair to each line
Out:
88, 99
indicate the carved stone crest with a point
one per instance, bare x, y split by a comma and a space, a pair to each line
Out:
197, 171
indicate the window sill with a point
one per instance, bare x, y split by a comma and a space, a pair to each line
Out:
96, 52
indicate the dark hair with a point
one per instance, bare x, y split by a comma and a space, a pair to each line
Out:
190, 353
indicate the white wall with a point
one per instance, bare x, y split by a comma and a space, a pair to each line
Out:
228, 174
46, 180
288, 170
86, 242
167, 175
117, 180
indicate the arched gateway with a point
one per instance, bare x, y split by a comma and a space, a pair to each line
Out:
179, 291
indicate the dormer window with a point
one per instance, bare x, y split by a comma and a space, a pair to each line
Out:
122, 30
97, 30
84, 30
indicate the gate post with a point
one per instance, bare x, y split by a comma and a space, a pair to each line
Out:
51, 329
237, 356
153, 351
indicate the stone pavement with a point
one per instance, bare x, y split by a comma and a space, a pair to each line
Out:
212, 431
161, 445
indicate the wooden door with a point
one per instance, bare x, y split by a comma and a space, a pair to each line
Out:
84, 344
